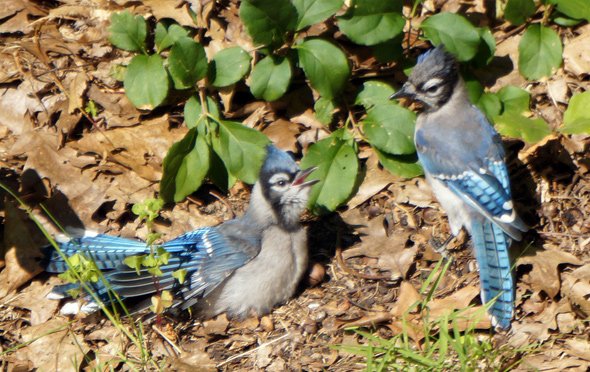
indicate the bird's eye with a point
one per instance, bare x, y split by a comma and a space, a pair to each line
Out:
432, 89
282, 183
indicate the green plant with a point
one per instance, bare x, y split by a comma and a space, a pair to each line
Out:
225, 151
82, 270
446, 343
540, 48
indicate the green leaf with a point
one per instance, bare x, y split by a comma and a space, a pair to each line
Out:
518, 11
270, 78
268, 21
518, 126
374, 93
180, 275
539, 52
474, 88
185, 166
402, 165
187, 63
229, 66
241, 149
325, 65
219, 174
128, 31
390, 50
490, 104
565, 21
514, 99
163, 256
487, 47
337, 162
459, 36
576, 119
390, 128
315, 11
324, 110
370, 22
146, 81
193, 111
192, 170
578, 9
134, 262
166, 37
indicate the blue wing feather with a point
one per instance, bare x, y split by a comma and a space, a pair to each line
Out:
206, 254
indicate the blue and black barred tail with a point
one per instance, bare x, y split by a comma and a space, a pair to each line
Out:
491, 251
107, 251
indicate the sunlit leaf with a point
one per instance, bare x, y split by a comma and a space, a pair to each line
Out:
539, 52
315, 11
128, 31
241, 149
370, 22
390, 128
187, 63
373, 93
325, 65
337, 162
268, 21
518, 126
270, 78
229, 66
146, 81
401, 165
166, 37
459, 36
576, 119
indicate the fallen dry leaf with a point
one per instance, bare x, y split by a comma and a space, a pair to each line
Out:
390, 251
576, 289
22, 239
67, 349
544, 275
376, 179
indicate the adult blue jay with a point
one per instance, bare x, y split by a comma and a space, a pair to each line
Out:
463, 160
245, 265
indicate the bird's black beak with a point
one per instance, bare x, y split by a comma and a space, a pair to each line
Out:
302, 175
406, 91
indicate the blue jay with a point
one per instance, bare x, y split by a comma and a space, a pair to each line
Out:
243, 266
463, 160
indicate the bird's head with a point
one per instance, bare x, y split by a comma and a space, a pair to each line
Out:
432, 80
285, 186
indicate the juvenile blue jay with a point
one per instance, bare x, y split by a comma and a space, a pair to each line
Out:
463, 161
248, 264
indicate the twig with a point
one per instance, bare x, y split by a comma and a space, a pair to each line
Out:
234, 357
174, 346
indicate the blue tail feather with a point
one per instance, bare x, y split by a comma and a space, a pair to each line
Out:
491, 251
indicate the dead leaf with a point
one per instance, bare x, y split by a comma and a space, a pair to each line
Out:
77, 88
216, 326
390, 251
23, 241
42, 309
576, 289
575, 52
376, 179
406, 299
415, 192
544, 275
578, 347
283, 133
53, 347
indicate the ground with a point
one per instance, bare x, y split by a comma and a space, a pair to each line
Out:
370, 258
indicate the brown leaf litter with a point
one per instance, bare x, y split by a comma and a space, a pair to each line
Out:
88, 171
